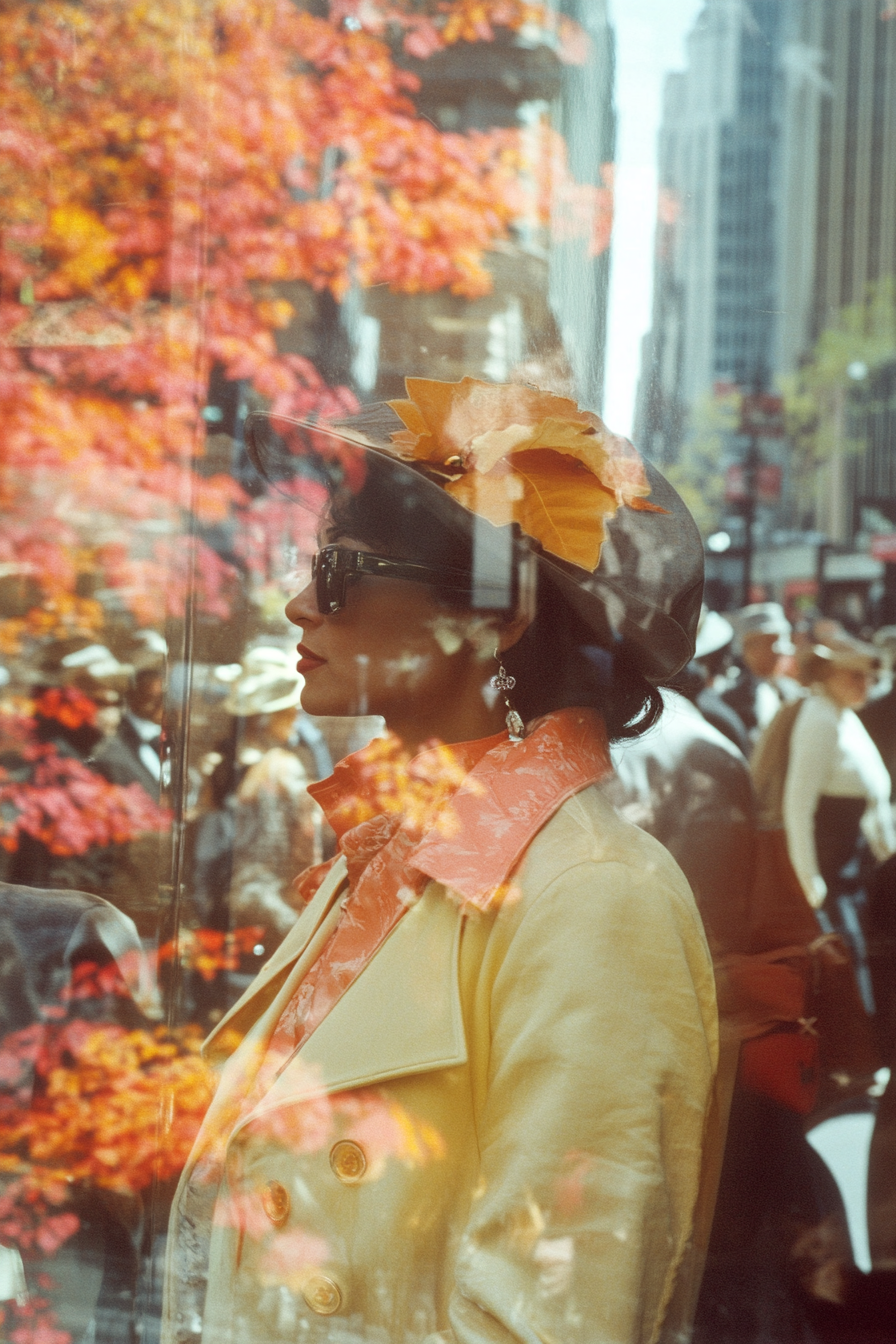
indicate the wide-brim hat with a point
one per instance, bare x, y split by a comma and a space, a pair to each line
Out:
853, 655
608, 529
713, 633
80, 661
765, 618
263, 692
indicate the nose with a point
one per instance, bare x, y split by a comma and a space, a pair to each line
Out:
302, 609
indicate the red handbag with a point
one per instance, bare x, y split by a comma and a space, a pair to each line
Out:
783, 1065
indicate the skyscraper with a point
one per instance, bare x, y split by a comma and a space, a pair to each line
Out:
714, 295
837, 218
838, 238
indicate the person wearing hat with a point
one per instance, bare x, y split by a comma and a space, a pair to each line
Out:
837, 791
468, 1098
760, 690
715, 635
262, 827
133, 754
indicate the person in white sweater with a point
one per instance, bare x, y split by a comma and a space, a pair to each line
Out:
837, 791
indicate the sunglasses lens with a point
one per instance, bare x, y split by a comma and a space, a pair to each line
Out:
329, 590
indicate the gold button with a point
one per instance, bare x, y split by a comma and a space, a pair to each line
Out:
275, 1202
322, 1295
348, 1161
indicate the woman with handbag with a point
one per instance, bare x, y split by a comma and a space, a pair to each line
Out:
467, 1100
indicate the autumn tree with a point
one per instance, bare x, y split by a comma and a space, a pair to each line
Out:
165, 166
819, 396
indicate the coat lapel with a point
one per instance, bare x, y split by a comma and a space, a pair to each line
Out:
402, 1015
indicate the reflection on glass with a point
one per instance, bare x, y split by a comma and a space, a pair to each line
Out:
413, 1129
214, 212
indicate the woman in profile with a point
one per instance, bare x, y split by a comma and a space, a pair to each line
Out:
467, 1098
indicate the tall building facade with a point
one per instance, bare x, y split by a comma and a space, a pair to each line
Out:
715, 269
837, 232
838, 238
777, 161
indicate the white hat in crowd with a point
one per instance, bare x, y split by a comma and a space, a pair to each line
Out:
713, 633
765, 618
264, 682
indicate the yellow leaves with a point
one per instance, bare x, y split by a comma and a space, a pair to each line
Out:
556, 501
513, 453
449, 416
275, 312
83, 238
561, 436
100, 1118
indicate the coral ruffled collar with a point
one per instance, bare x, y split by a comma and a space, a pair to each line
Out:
462, 815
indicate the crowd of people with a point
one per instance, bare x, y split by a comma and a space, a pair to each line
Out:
768, 778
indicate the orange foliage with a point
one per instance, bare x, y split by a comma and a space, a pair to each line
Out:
427, 28
211, 951
163, 167
115, 1109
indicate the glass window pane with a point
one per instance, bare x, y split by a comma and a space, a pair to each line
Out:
447, 608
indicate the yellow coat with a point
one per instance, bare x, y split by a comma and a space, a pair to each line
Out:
525, 1160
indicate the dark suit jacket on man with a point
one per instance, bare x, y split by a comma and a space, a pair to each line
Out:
118, 760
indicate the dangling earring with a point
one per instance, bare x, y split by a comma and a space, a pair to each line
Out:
502, 681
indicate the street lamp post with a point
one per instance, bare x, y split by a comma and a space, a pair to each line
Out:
752, 460
761, 417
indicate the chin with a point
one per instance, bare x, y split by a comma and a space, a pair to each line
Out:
324, 705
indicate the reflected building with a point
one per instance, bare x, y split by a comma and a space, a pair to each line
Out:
545, 318
837, 247
838, 197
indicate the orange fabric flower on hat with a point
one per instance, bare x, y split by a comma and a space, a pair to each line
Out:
512, 453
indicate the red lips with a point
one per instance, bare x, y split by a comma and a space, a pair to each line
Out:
308, 661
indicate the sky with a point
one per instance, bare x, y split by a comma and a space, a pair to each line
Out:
649, 41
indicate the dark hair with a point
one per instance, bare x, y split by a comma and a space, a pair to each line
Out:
558, 662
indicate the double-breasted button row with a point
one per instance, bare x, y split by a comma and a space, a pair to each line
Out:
348, 1161
276, 1202
322, 1294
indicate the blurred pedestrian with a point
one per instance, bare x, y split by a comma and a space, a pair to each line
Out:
764, 639
836, 802
262, 827
685, 783
74, 680
135, 754
712, 655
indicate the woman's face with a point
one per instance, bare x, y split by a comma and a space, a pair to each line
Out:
849, 687
386, 652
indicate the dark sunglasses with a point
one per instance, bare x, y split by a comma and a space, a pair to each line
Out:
332, 567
